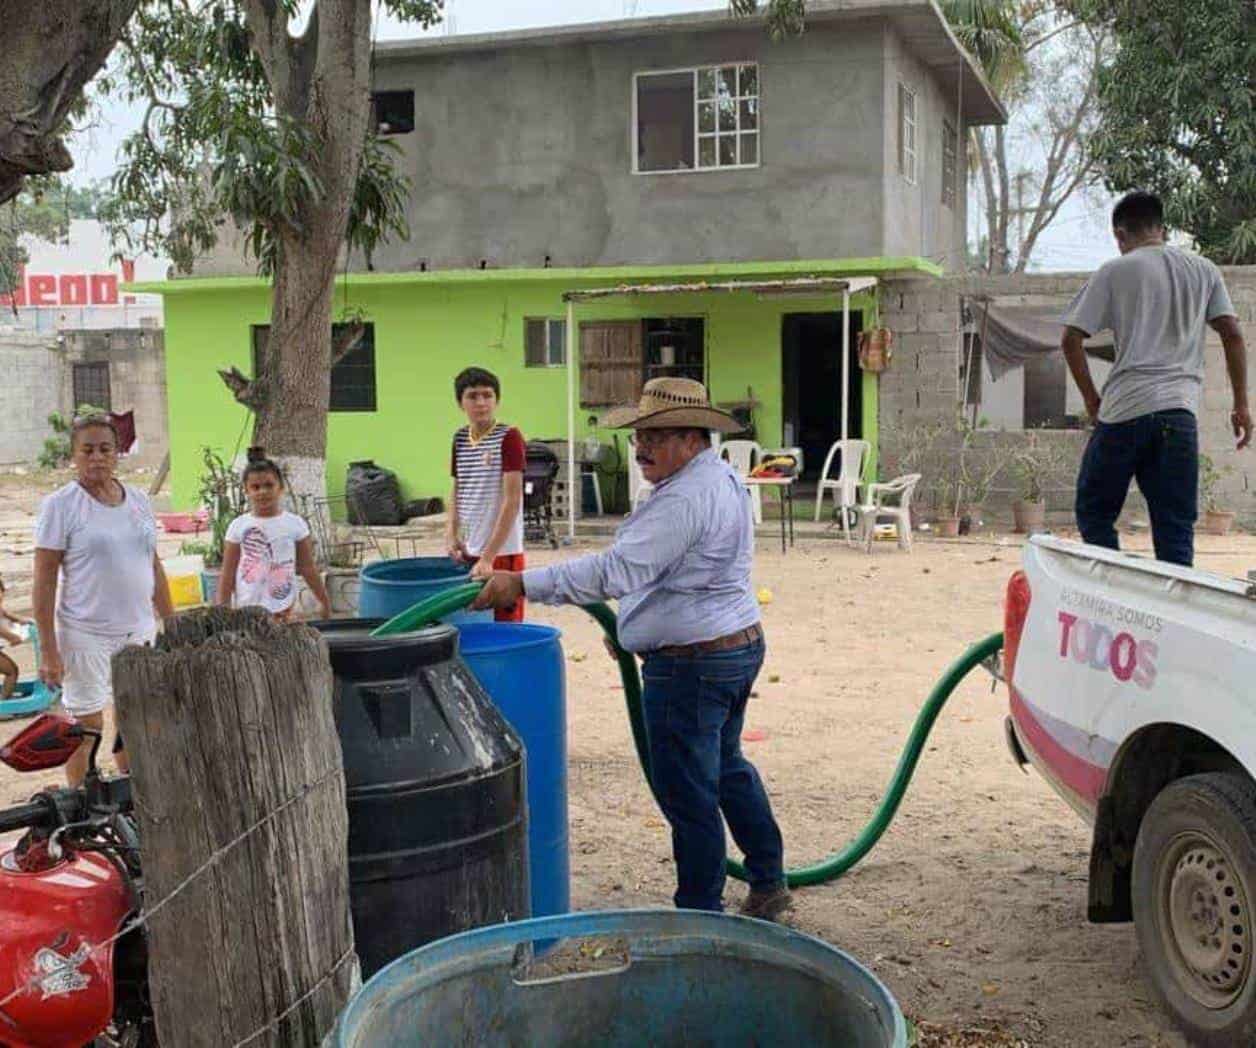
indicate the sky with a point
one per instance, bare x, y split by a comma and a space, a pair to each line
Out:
1078, 239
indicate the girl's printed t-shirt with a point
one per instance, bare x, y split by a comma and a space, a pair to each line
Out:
266, 576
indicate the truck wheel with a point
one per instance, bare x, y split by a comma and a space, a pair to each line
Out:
1194, 895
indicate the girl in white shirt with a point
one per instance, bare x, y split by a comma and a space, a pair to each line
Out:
267, 548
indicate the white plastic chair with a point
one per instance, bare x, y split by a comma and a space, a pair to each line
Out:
743, 456
900, 491
845, 486
639, 488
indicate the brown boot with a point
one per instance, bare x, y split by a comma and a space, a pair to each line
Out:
767, 904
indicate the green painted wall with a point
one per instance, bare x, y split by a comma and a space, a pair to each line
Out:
424, 334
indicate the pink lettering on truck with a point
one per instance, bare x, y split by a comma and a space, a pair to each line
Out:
1120, 653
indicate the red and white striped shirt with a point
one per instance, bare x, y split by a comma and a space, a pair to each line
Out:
478, 467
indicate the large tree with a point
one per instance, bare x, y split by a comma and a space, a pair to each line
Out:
1045, 66
48, 51
1177, 114
255, 116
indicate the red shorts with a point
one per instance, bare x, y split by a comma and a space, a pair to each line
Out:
510, 562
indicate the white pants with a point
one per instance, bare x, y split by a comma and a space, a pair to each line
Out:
87, 685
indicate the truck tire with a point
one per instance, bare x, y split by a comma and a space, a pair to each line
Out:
1194, 895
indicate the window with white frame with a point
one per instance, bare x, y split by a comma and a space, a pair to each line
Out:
907, 133
950, 164
544, 342
697, 119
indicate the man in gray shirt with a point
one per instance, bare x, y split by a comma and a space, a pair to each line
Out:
680, 568
1157, 301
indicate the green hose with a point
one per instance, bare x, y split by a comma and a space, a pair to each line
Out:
834, 866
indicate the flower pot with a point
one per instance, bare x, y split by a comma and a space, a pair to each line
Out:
1029, 516
1217, 521
343, 585
947, 527
209, 583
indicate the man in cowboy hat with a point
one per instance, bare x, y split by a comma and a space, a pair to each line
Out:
680, 567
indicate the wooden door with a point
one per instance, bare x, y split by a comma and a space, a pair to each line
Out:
611, 363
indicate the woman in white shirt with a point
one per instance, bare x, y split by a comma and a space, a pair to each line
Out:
98, 580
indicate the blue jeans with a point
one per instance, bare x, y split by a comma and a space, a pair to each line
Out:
694, 710
1161, 451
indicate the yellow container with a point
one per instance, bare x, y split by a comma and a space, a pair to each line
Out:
185, 590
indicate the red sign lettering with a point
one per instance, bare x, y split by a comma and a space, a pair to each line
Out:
43, 290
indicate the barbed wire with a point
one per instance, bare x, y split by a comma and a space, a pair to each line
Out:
69, 964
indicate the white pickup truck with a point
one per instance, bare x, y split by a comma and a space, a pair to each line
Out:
1133, 691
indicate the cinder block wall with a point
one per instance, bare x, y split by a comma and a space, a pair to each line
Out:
922, 384
137, 379
30, 390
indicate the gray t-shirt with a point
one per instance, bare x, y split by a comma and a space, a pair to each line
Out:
1156, 300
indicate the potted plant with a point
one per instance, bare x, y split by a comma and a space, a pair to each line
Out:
1217, 521
222, 496
1036, 464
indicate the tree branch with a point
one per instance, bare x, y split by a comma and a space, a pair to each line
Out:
246, 391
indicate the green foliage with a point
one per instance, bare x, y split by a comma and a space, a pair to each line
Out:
216, 140
1038, 464
195, 549
222, 496
783, 17
992, 32
1178, 114
1209, 478
56, 452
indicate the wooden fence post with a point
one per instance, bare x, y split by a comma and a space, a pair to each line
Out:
236, 767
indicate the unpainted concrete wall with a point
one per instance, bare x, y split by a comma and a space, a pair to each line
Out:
137, 379
30, 390
915, 221
922, 384
524, 153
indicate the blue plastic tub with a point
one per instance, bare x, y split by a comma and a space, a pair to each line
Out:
28, 698
391, 586
521, 666
625, 978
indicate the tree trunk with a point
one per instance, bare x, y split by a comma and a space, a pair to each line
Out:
240, 794
322, 80
51, 50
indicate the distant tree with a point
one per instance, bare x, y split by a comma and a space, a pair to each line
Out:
1177, 113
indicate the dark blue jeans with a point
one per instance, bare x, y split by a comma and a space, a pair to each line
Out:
1160, 451
694, 711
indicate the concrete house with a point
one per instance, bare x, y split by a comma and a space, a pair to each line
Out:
734, 192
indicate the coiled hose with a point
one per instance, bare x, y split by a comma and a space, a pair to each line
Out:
449, 601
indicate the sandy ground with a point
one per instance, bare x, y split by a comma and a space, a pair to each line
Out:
972, 908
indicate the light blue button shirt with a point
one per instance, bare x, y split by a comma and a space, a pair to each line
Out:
680, 564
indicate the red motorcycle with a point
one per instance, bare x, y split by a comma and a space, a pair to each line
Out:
71, 972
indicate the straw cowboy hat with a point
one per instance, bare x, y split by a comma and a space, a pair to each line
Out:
672, 403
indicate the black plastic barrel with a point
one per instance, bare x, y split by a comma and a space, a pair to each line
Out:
435, 788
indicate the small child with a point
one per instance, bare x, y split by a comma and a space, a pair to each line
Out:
8, 668
267, 548
485, 527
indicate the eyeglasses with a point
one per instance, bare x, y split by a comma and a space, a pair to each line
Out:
652, 437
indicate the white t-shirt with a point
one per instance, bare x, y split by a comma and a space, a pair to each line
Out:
107, 569
266, 576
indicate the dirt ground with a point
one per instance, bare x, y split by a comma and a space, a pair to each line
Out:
972, 908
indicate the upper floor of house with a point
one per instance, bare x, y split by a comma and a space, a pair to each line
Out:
689, 138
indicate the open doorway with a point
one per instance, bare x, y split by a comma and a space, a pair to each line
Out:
811, 358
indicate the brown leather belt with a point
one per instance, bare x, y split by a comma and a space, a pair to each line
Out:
740, 639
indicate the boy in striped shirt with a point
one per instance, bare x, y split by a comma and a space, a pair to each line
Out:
485, 527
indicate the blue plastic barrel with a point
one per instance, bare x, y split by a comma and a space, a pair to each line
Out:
625, 977
521, 667
391, 586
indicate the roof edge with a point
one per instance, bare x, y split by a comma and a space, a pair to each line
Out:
583, 275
